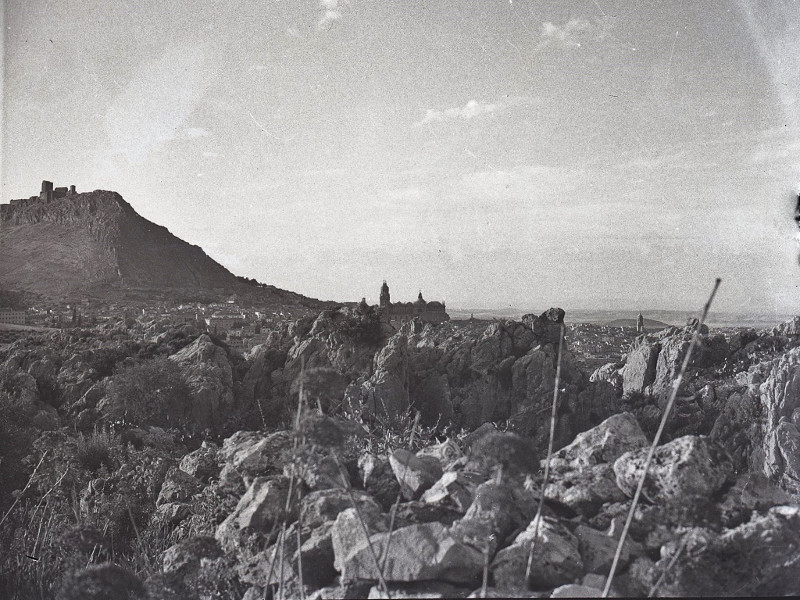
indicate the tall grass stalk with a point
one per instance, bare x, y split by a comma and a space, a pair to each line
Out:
553, 416
671, 564
300, 557
25, 489
396, 504
675, 387
280, 568
381, 580
485, 580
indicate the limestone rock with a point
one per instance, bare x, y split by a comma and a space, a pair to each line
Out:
556, 559
417, 552
324, 506
454, 488
687, 467
609, 372
172, 513
378, 479
777, 440
258, 510
419, 589
178, 486
445, 452
758, 558
348, 532
586, 490
184, 557
319, 474
414, 474
209, 375
202, 463
503, 507
262, 456
640, 366
597, 550
574, 590
604, 443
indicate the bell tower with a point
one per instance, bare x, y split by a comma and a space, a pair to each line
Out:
385, 300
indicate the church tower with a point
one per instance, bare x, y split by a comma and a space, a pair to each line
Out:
385, 299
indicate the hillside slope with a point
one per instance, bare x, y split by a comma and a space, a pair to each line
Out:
96, 241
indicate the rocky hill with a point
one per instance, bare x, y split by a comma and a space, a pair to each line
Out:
96, 243
153, 462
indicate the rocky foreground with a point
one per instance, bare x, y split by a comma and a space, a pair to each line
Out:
153, 462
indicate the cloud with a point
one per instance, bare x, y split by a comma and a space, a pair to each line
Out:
156, 102
196, 132
568, 36
524, 181
470, 110
331, 11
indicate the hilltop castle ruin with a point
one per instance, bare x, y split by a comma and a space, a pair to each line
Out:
47, 194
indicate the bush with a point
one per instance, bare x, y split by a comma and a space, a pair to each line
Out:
363, 328
150, 393
96, 450
16, 440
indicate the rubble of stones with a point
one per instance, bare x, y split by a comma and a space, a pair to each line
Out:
316, 506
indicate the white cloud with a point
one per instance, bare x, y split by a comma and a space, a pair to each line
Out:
332, 11
524, 181
470, 110
568, 36
156, 102
196, 132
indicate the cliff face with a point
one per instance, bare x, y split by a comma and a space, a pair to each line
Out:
97, 238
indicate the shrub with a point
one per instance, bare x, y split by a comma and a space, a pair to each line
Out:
363, 328
96, 450
153, 392
504, 453
16, 439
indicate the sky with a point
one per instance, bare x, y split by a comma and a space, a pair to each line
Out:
490, 153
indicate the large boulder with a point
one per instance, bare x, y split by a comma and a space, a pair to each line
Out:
178, 486
261, 507
758, 558
414, 474
604, 443
582, 474
255, 455
208, 372
688, 467
352, 528
776, 452
556, 558
202, 463
639, 371
418, 552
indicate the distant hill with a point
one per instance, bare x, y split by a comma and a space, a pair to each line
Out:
96, 244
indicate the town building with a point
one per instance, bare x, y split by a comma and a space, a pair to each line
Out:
10, 316
396, 313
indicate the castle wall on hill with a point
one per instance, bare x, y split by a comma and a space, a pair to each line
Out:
47, 194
